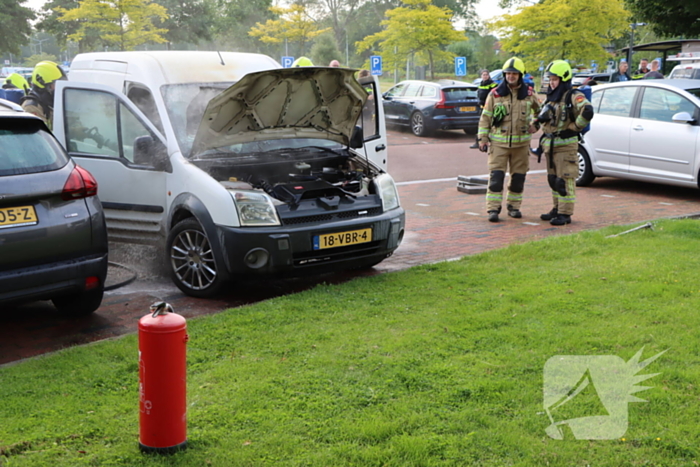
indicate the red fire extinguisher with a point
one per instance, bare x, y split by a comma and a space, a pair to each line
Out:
162, 380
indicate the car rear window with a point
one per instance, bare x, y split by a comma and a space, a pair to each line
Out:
26, 147
459, 93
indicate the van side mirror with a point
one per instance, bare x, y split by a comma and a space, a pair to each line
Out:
357, 140
148, 151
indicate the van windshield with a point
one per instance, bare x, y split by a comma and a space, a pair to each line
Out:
186, 104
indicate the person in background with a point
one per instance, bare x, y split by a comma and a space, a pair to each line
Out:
334, 63
654, 73
485, 87
302, 61
39, 99
621, 74
505, 130
643, 69
16, 81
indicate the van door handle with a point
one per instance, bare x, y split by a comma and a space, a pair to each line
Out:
381, 147
638, 128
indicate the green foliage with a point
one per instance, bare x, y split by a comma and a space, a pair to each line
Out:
121, 24
244, 14
668, 17
51, 24
36, 58
14, 24
324, 50
575, 30
187, 21
418, 28
292, 25
439, 365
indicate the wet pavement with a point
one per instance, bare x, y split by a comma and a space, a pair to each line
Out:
442, 224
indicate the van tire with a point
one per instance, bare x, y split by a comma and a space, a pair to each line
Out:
191, 260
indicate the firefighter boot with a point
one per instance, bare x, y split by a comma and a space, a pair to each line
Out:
493, 216
512, 212
561, 219
550, 215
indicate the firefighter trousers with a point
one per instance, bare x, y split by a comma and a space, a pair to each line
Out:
501, 160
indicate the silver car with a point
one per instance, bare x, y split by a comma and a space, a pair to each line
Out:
647, 130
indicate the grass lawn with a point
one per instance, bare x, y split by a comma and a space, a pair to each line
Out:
437, 365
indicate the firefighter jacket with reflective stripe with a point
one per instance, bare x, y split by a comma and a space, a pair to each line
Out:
507, 117
566, 126
484, 89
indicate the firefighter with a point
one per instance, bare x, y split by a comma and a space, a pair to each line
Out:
565, 114
485, 87
16, 81
505, 130
39, 99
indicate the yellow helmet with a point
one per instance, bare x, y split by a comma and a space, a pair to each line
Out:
559, 68
46, 72
514, 65
302, 61
18, 81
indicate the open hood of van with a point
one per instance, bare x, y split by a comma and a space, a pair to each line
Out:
305, 102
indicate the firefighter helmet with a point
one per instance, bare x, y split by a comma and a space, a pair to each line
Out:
514, 65
46, 72
18, 81
561, 69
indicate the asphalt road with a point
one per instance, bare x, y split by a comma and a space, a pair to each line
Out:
441, 224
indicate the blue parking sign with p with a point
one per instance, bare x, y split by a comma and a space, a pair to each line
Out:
287, 62
375, 63
460, 66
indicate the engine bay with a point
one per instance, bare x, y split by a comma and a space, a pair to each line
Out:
337, 179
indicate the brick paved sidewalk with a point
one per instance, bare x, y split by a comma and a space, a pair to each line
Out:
442, 223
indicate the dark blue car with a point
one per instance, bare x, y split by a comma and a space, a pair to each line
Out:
425, 106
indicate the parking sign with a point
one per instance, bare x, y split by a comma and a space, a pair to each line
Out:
375, 64
460, 66
287, 62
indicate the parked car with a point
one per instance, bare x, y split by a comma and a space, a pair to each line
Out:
496, 77
644, 130
580, 79
425, 106
233, 165
53, 238
686, 71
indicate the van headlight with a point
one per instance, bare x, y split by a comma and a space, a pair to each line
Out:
387, 191
255, 209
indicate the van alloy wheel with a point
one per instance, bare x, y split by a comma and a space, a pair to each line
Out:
193, 265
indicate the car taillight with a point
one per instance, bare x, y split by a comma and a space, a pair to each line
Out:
80, 184
441, 103
92, 282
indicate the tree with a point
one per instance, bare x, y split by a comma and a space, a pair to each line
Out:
14, 24
576, 30
668, 17
324, 50
293, 25
187, 20
122, 24
36, 58
418, 28
244, 14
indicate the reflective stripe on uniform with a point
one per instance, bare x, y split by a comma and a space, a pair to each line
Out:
498, 138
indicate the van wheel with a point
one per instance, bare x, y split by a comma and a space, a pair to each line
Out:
585, 171
193, 266
80, 304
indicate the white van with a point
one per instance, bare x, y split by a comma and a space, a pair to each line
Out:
235, 166
688, 67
